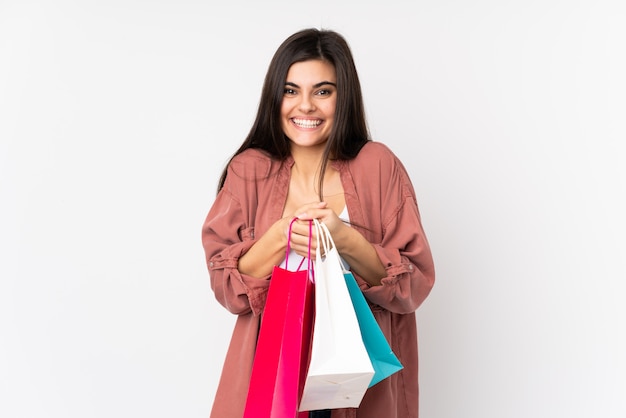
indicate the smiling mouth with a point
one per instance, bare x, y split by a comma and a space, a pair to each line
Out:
306, 123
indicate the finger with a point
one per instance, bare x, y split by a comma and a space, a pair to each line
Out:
301, 227
300, 234
311, 210
300, 240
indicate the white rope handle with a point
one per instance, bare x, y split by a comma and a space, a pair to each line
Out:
326, 240
327, 243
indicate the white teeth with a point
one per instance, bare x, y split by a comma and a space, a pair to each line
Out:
307, 123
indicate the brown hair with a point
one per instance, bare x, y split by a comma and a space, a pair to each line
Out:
349, 132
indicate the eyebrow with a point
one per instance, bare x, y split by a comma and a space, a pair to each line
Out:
320, 84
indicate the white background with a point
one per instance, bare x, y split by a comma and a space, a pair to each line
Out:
116, 118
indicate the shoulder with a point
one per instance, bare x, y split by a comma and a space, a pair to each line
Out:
252, 164
376, 151
378, 159
377, 165
251, 156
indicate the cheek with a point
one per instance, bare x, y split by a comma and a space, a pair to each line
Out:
283, 111
330, 114
330, 109
284, 122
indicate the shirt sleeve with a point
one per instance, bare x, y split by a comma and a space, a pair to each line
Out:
403, 250
410, 271
225, 238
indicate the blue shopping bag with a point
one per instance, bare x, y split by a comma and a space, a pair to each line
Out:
383, 359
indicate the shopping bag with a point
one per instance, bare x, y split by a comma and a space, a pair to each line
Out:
282, 352
340, 369
383, 359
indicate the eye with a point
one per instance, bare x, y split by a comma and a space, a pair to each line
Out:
324, 92
289, 91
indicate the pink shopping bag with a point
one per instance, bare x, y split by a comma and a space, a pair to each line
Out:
280, 362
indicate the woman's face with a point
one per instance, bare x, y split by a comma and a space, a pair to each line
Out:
309, 101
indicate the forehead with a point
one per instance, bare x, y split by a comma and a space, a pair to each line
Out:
311, 72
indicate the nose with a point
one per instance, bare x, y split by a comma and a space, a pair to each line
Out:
306, 105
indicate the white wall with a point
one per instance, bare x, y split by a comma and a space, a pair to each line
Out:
116, 118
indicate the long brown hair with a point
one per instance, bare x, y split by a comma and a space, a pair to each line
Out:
349, 132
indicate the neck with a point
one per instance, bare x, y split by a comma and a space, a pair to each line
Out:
307, 160
306, 169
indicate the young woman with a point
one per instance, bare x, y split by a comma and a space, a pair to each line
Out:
309, 155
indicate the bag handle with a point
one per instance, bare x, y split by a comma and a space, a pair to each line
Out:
309, 265
326, 239
327, 242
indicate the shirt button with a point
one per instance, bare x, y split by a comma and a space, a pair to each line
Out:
252, 234
211, 264
410, 267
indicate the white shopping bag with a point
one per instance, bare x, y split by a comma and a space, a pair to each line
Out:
340, 369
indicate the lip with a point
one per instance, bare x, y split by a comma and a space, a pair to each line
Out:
306, 123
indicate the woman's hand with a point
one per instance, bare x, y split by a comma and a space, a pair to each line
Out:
351, 245
299, 239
